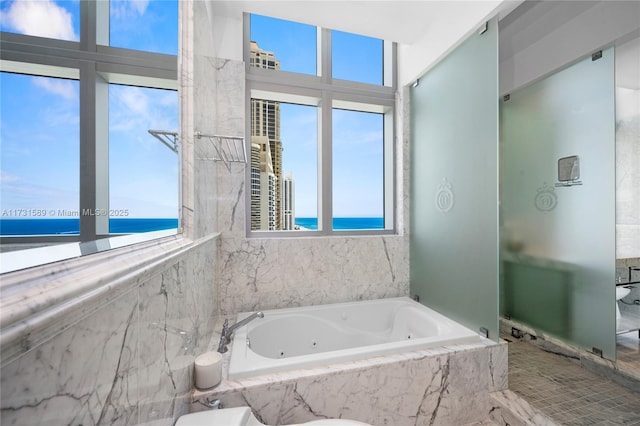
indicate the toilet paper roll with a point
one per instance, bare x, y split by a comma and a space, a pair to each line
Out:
208, 370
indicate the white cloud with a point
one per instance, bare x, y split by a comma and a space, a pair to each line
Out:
56, 86
136, 100
126, 8
134, 110
42, 18
6, 177
140, 6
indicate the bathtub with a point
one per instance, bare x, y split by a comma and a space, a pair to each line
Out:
312, 336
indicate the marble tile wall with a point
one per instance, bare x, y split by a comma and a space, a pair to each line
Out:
443, 386
129, 362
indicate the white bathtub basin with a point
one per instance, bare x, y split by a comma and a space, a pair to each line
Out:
317, 335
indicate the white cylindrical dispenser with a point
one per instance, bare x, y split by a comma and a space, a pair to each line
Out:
208, 370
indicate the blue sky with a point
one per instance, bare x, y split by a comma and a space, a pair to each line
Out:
39, 118
357, 136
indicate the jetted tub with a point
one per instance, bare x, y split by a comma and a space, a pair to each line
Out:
287, 339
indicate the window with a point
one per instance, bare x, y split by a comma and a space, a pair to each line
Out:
40, 136
78, 163
151, 26
283, 45
358, 164
321, 132
356, 58
143, 173
278, 177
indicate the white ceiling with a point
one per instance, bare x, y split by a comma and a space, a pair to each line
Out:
425, 30
433, 27
400, 21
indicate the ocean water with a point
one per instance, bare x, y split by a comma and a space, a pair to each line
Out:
344, 223
72, 226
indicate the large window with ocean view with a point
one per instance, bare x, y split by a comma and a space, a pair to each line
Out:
78, 163
39, 160
321, 125
143, 172
358, 154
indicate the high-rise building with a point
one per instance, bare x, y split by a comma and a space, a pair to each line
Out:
264, 203
288, 202
265, 123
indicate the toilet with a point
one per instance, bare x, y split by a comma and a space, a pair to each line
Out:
620, 293
242, 416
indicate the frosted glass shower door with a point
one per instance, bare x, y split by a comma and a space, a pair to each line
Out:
559, 257
454, 184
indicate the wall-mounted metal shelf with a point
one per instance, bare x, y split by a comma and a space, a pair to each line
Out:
228, 149
168, 138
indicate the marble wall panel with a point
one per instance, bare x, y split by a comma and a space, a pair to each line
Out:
278, 273
177, 316
85, 375
129, 362
218, 110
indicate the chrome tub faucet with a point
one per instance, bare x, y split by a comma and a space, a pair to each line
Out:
227, 330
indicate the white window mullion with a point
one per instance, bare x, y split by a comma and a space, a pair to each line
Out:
102, 156
325, 194
102, 9
87, 151
325, 168
389, 195
100, 35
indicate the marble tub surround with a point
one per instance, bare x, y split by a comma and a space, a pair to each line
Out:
443, 386
127, 361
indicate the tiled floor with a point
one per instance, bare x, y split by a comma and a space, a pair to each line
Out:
628, 352
567, 393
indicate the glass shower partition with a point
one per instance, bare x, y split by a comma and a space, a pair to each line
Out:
454, 184
558, 204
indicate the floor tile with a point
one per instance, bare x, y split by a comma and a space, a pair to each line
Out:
567, 393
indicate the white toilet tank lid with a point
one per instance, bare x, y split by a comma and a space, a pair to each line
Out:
225, 417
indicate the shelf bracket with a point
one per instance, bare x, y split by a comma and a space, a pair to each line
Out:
168, 138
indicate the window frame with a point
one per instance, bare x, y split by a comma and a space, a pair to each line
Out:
95, 65
324, 91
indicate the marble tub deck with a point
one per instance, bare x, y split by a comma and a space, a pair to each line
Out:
448, 385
